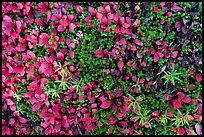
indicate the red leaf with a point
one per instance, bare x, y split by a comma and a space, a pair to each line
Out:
186, 100
174, 54
106, 104
120, 64
155, 113
181, 130
156, 57
37, 106
180, 95
71, 53
9, 102
159, 54
190, 132
22, 120
198, 77
92, 11
60, 28
60, 56
177, 103
155, 9
72, 26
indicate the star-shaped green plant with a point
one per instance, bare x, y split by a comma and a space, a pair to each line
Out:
171, 76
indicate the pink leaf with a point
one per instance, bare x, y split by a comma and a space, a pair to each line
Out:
123, 41
177, 103
44, 66
92, 11
11, 121
175, 7
70, 17
72, 68
71, 45
36, 106
60, 56
22, 120
126, 131
120, 64
198, 129
136, 89
107, 8
138, 42
99, 16
175, 54
106, 104
43, 39
67, 41
60, 28
71, 53
72, 26
134, 78
198, 77
9, 102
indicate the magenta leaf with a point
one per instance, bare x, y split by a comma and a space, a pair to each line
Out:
72, 26
9, 102
186, 100
156, 57
92, 11
181, 130
37, 106
120, 64
138, 42
11, 121
60, 56
175, 54
106, 104
72, 68
71, 53
60, 28
22, 120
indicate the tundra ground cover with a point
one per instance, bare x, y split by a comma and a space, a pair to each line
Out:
72, 68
